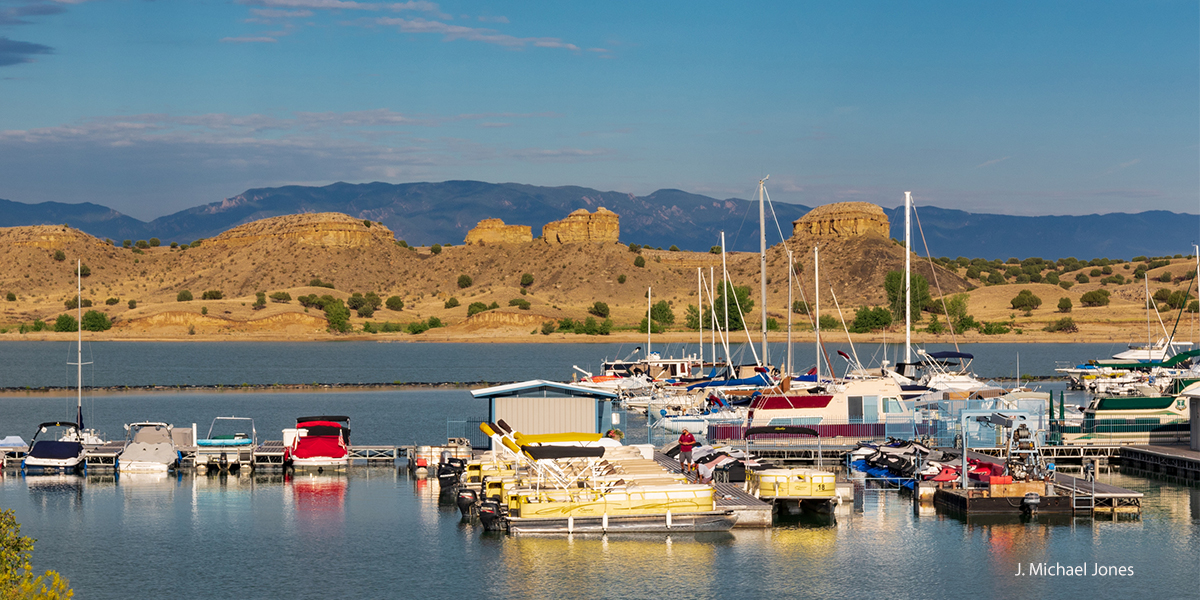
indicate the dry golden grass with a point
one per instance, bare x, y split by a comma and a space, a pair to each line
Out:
286, 253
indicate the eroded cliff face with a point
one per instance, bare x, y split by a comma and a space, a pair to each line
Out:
494, 231
843, 220
582, 226
317, 229
49, 237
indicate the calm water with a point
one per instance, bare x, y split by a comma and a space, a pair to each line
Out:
36, 364
374, 533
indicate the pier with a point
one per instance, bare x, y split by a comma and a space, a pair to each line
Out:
1176, 461
267, 456
751, 512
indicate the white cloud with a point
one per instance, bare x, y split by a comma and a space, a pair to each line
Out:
459, 32
991, 162
274, 13
492, 19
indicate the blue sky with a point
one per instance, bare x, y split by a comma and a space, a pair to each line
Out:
1035, 108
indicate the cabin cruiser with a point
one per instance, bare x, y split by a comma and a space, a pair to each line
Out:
149, 448
60, 448
318, 443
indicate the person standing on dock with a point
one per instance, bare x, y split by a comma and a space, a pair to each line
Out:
687, 441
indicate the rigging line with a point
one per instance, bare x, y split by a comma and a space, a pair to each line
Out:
921, 230
738, 305
749, 205
846, 329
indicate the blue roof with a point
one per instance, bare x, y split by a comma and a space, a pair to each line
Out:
524, 388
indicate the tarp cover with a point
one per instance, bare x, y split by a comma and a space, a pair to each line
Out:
759, 380
785, 429
313, 446
55, 449
949, 354
552, 452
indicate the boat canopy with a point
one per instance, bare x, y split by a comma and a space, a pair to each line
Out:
758, 380
555, 452
337, 418
323, 428
948, 354
70, 424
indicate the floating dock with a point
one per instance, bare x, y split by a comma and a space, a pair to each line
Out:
267, 456
1176, 461
751, 512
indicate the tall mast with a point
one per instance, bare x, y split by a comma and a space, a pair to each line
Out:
712, 298
907, 280
789, 309
725, 295
700, 312
817, 306
648, 325
762, 264
79, 345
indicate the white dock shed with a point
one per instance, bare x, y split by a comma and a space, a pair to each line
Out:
540, 406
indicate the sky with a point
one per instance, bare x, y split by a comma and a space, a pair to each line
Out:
1022, 108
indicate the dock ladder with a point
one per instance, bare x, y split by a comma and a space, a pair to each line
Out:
1083, 501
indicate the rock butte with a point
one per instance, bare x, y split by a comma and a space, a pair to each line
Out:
582, 226
318, 229
843, 220
494, 231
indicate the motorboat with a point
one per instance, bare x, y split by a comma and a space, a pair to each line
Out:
320, 443
56, 447
1154, 419
227, 451
149, 448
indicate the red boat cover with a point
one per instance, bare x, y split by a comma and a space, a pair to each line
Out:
778, 402
324, 446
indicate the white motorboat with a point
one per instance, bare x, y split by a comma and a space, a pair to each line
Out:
60, 448
149, 448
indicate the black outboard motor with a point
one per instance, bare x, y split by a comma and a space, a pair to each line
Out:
1029, 504
468, 502
489, 515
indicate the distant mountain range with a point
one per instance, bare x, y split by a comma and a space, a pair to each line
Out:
427, 213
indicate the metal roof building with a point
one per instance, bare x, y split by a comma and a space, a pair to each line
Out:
540, 406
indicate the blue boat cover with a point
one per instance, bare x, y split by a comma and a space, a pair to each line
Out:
220, 442
55, 450
949, 354
759, 379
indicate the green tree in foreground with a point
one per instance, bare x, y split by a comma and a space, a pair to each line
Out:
16, 573
66, 323
662, 313
893, 284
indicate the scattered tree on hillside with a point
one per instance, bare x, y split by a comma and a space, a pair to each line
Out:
464, 281
337, 315
1063, 325
800, 307
1095, 298
65, 323
1025, 300
213, 295
739, 297
600, 309
520, 303
1064, 305
281, 297
59, 255
435, 249
639, 262
621, 278
871, 319
11, 297
132, 304
661, 312
260, 301
94, 320
155, 242
893, 284
395, 303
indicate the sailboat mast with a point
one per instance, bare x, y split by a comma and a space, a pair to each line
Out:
789, 310
725, 295
700, 312
762, 264
817, 306
79, 345
712, 321
648, 323
907, 279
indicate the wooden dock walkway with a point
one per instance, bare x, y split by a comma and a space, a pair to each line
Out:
751, 512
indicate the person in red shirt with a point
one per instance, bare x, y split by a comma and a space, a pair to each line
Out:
687, 441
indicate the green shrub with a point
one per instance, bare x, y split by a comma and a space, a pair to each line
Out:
994, 328
212, 295
39, 325
1025, 300
174, 245
402, 243
260, 301
1052, 278
673, 248
494, 306
11, 297
566, 325
204, 310
112, 301
66, 323
714, 250
464, 281
84, 271
336, 314
520, 303
132, 304
800, 307
871, 319
435, 249
281, 297
318, 283
548, 327
1095, 298
634, 247
829, 322
621, 278
127, 244
59, 255
475, 308
154, 242
451, 303
1064, 325
418, 327
639, 262
1165, 277
661, 312
1064, 305
526, 279
655, 326
1193, 306
142, 244
94, 320
600, 309
395, 303
434, 323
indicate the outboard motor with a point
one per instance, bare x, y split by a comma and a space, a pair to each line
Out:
1029, 504
468, 503
489, 515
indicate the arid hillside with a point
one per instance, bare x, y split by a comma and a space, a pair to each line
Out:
286, 254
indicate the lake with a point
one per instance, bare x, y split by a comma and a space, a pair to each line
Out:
376, 533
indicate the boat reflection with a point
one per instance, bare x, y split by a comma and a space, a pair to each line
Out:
56, 490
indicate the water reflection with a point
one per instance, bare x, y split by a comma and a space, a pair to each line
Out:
56, 491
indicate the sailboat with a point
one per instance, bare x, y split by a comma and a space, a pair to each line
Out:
60, 448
